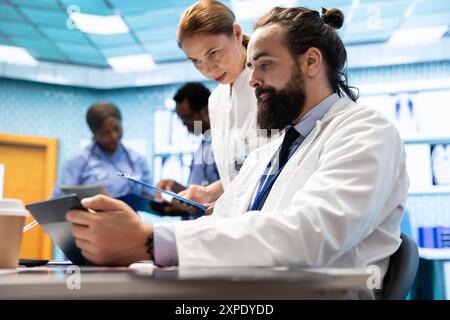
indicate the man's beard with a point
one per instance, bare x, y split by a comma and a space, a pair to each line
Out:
283, 106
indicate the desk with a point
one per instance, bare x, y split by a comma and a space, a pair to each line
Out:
183, 283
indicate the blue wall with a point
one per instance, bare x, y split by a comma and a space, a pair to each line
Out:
59, 112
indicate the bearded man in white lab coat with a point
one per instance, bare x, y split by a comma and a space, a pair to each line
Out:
329, 192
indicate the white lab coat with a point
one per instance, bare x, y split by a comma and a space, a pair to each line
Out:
337, 203
233, 125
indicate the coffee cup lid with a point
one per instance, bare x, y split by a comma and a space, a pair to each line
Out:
12, 207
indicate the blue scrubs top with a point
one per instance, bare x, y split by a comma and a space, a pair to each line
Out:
203, 168
93, 166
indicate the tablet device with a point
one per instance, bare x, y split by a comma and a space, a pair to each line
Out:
32, 262
84, 191
186, 204
51, 215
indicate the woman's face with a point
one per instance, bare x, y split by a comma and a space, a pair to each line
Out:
108, 135
217, 56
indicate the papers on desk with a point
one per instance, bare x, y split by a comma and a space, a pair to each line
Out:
329, 271
143, 267
147, 268
59, 263
339, 271
7, 271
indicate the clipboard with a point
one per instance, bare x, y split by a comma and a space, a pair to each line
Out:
186, 204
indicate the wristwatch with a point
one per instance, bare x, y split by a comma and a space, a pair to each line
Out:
150, 249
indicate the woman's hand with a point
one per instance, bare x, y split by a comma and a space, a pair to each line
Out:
209, 208
203, 195
169, 185
196, 193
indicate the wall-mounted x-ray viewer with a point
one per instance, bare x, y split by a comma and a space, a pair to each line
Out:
428, 165
417, 115
440, 164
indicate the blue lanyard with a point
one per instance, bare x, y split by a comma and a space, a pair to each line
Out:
261, 193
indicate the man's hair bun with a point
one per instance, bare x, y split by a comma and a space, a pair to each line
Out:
333, 17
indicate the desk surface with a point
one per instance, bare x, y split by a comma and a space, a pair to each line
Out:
182, 283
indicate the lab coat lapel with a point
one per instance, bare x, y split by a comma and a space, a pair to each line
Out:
251, 178
291, 165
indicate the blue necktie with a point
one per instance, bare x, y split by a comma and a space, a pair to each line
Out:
289, 138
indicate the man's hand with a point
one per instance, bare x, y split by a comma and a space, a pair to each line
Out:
169, 185
110, 233
168, 209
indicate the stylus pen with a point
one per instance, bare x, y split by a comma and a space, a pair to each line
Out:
30, 226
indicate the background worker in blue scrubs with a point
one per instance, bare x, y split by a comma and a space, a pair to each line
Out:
99, 162
192, 108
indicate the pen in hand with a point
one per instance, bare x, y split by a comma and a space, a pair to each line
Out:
29, 226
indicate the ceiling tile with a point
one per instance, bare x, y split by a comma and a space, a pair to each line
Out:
122, 51
365, 38
47, 54
93, 60
74, 49
26, 42
157, 34
98, 7
65, 35
126, 6
427, 20
154, 19
364, 26
165, 51
48, 4
5, 41
112, 40
317, 5
17, 28
382, 9
46, 17
7, 12
431, 7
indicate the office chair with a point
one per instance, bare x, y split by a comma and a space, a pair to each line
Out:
402, 271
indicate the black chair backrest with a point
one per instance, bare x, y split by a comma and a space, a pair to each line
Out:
402, 271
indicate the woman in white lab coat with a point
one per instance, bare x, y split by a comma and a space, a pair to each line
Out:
215, 44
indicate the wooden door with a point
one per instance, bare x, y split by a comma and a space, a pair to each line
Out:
30, 173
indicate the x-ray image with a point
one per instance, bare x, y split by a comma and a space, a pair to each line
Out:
406, 117
440, 164
402, 109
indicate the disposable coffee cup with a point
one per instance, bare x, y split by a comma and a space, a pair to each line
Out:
12, 219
